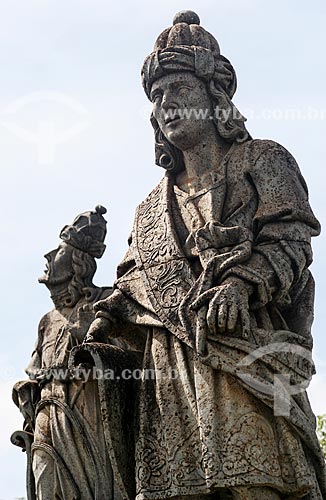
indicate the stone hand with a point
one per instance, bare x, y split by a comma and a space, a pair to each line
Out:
26, 397
99, 330
85, 316
226, 305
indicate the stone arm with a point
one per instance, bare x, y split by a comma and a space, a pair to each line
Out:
110, 324
276, 272
127, 313
282, 229
26, 393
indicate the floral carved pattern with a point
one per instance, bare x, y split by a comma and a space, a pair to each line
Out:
168, 273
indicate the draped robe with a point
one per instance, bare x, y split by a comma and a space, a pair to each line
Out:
69, 452
206, 422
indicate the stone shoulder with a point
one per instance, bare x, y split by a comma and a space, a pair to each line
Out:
246, 155
251, 151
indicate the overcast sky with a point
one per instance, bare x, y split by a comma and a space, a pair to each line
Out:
75, 133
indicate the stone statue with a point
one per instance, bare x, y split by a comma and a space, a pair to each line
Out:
217, 269
63, 434
212, 306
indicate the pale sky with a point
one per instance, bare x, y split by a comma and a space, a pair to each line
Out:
74, 65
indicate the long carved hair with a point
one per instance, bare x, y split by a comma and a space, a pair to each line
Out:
84, 267
230, 125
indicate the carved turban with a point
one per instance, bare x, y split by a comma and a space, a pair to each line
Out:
186, 46
87, 232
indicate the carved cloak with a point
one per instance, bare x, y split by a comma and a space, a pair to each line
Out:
207, 428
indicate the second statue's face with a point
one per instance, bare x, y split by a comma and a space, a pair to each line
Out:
59, 266
182, 108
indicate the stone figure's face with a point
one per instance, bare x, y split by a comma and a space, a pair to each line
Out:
59, 265
182, 108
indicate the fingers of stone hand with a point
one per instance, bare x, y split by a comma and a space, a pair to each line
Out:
232, 317
201, 332
224, 310
212, 314
245, 322
203, 298
222, 317
219, 311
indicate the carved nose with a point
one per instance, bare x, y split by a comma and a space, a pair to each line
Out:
167, 102
48, 255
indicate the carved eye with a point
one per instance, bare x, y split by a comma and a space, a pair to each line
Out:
183, 89
156, 97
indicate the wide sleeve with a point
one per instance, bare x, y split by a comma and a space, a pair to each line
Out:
282, 229
35, 363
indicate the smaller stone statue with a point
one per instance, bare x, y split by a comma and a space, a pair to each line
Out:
63, 431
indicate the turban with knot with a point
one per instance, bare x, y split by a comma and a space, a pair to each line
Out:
186, 46
87, 232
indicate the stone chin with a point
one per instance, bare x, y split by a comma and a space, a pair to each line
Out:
49, 280
179, 134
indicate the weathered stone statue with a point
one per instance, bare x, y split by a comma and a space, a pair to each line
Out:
212, 307
67, 454
217, 269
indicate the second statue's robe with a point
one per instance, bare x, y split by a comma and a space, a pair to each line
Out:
69, 452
